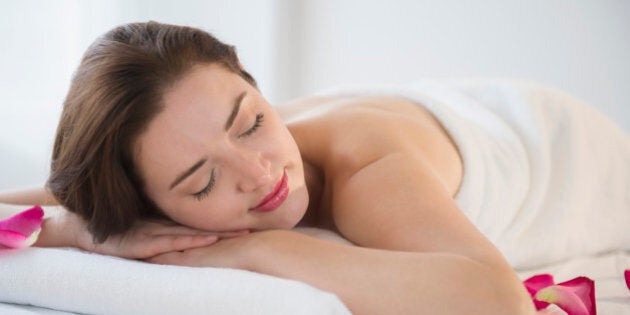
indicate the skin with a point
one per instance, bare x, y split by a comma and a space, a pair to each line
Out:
380, 171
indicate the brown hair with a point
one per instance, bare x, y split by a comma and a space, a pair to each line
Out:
115, 93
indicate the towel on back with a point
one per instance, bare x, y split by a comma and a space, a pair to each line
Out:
546, 177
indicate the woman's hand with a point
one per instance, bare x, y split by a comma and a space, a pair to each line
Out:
150, 238
232, 252
146, 239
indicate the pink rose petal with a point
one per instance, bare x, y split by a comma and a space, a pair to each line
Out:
537, 283
11, 239
25, 222
627, 275
576, 296
22, 229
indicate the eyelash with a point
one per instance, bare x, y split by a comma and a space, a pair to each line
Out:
206, 190
257, 124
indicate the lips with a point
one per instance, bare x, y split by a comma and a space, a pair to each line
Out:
275, 198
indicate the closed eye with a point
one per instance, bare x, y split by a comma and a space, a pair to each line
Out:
200, 195
257, 124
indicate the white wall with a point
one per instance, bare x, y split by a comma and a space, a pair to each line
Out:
295, 47
580, 46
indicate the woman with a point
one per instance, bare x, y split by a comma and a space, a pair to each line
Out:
167, 152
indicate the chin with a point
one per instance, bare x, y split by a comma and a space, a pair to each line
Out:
294, 209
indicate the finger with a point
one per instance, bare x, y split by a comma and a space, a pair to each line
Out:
179, 229
184, 230
165, 259
232, 234
174, 243
192, 231
155, 228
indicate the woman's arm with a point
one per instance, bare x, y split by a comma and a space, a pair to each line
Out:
420, 254
399, 203
372, 281
368, 281
28, 196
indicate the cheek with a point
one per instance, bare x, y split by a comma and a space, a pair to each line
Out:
207, 214
284, 144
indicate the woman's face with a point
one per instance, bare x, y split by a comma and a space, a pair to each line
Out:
219, 158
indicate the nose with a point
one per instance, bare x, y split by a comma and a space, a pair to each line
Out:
254, 170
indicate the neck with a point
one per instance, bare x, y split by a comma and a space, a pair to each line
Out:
314, 178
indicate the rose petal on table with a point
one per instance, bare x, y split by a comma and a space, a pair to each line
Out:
576, 296
22, 229
25, 222
12, 239
537, 283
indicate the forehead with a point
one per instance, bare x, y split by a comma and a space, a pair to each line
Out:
207, 82
200, 100
194, 111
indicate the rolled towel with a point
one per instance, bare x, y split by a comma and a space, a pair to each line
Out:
74, 281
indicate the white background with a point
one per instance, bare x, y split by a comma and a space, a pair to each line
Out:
296, 47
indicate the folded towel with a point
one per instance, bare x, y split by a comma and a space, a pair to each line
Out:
75, 281
546, 177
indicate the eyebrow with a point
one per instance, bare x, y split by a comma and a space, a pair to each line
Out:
235, 109
187, 173
200, 163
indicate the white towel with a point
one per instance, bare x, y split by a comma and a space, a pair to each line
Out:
75, 281
546, 177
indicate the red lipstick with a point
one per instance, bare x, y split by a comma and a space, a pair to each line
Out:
276, 197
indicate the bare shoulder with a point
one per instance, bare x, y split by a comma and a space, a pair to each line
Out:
344, 134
